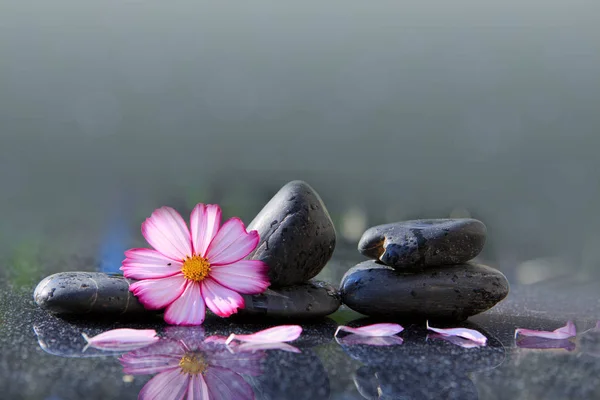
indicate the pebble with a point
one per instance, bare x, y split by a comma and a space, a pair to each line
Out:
297, 236
424, 242
453, 292
314, 299
86, 292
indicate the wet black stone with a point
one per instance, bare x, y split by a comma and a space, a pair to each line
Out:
86, 292
453, 292
314, 299
424, 242
297, 236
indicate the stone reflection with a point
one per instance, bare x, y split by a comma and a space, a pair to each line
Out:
423, 366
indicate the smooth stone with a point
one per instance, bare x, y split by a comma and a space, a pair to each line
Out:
87, 292
453, 292
315, 299
297, 236
424, 242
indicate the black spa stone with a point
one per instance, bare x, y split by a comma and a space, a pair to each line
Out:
297, 236
86, 292
314, 299
453, 292
424, 242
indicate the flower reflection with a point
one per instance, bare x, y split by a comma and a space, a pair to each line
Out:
189, 366
532, 342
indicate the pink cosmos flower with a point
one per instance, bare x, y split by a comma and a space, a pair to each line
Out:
191, 268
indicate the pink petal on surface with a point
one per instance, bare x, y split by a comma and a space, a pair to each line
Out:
187, 309
244, 276
372, 330
465, 333
564, 332
354, 339
464, 343
168, 233
532, 342
254, 347
224, 384
122, 339
155, 294
168, 385
148, 264
221, 300
197, 388
282, 333
204, 225
232, 243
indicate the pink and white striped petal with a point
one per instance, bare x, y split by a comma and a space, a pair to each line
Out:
282, 333
465, 333
187, 309
232, 243
148, 264
204, 225
456, 340
121, 339
197, 388
244, 276
168, 233
155, 294
564, 332
168, 385
221, 300
354, 339
225, 384
385, 329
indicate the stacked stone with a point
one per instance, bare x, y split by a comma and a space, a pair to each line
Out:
297, 239
421, 269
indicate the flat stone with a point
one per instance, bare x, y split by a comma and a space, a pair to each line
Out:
313, 299
297, 236
87, 292
424, 242
453, 292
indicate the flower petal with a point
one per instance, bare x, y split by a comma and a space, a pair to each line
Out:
168, 385
155, 294
188, 309
148, 264
221, 300
462, 342
167, 232
532, 342
121, 339
224, 384
204, 225
372, 330
197, 388
564, 332
231, 243
254, 347
282, 333
465, 333
244, 276
354, 339
159, 357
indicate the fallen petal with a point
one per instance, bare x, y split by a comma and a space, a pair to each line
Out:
564, 332
372, 330
465, 333
464, 343
532, 342
121, 339
354, 339
254, 347
283, 333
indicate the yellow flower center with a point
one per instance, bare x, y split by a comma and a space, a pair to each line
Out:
193, 364
195, 268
